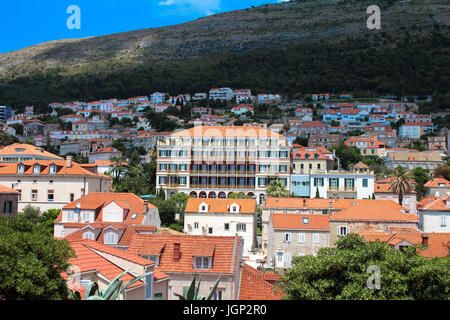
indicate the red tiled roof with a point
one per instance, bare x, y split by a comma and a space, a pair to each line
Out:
312, 203
373, 212
253, 286
221, 205
225, 258
295, 221
436, 183
437, 204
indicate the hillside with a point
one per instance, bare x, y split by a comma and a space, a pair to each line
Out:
290, 47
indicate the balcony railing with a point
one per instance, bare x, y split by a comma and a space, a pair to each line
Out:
342, 189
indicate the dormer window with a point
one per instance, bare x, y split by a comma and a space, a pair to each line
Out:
234, 208
202, 262
110, 237
37, 168
89, 235
203, 207
52, 168
20, 168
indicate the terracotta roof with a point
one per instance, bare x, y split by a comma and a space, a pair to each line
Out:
437, 204
375, 211
4, 189
233, 131
384, 187
98, 200
301, 154
312, 203
221, 205
27, 150
75, 169
296, 221
88, 260
438, 245
253, 286
359, 165
437, 182
225, 258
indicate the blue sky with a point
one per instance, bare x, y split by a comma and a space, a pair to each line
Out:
29, 22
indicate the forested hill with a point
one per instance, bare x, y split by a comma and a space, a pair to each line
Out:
295, 47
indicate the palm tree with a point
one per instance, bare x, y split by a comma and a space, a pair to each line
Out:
402, 183
277, 189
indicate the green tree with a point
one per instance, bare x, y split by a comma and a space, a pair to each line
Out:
31, 262
276, 188
342, 273
420, 176
317, 193
347, 155
31, 213
238, 195
6, 139
47, 219
401, 185
442, 171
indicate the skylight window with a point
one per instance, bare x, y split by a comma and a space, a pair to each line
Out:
134, 216
305, 220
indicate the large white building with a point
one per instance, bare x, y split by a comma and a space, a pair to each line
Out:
221, 94
222, 217
213, 162
51, 184
435, 215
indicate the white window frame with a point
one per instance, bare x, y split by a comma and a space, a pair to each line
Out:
339, 229
111, 235
316, 238
201, 262
302, 237
287, 237
241, 227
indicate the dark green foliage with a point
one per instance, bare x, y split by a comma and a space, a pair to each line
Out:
6, 139
420, 176
31, 262
374, 64
442, 171
347, 155
341, 273
47, 219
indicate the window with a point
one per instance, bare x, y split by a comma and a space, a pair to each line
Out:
316, 238
218, 295
287, 237
111, 238
134, 216
72, 197
148, 286
195, 225
34, 194
52, 168
240, 227
301, 237
343, 230
7, 207
85, 216
20, 195
210, 230
50, 196
158, 296
226, 227
365, 183
443, 221
88, 235
71, 216
36, 168
305, 220
202, 262
20, 168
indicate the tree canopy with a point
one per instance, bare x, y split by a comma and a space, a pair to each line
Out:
348, 271
31, 261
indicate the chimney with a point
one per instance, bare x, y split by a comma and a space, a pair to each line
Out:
176, 251
425, 237
69, 161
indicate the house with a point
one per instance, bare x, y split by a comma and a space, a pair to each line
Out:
375, 216
435, 215
221, 94
437, 143
107, 217
33, 128
257, 285
222, 217
82, 126
324, 140
367, 146
313, 206
438, 187
382, 192
242, 109
18, 152
183, 256
345, 115
100, 263
9, 199
50, 184
303, 111
410, 130
79, 147
291, 235
431, 245
413, 159
6, 113
157, 98
268, 98
307, 160
104, 154
308, 128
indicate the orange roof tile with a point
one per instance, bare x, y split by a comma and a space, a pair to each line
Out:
12, 149
253, 286
439, 204
221, 205
438, 182
373, 212
233, 131
384, 187
295, 221
4, 189
225, 259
